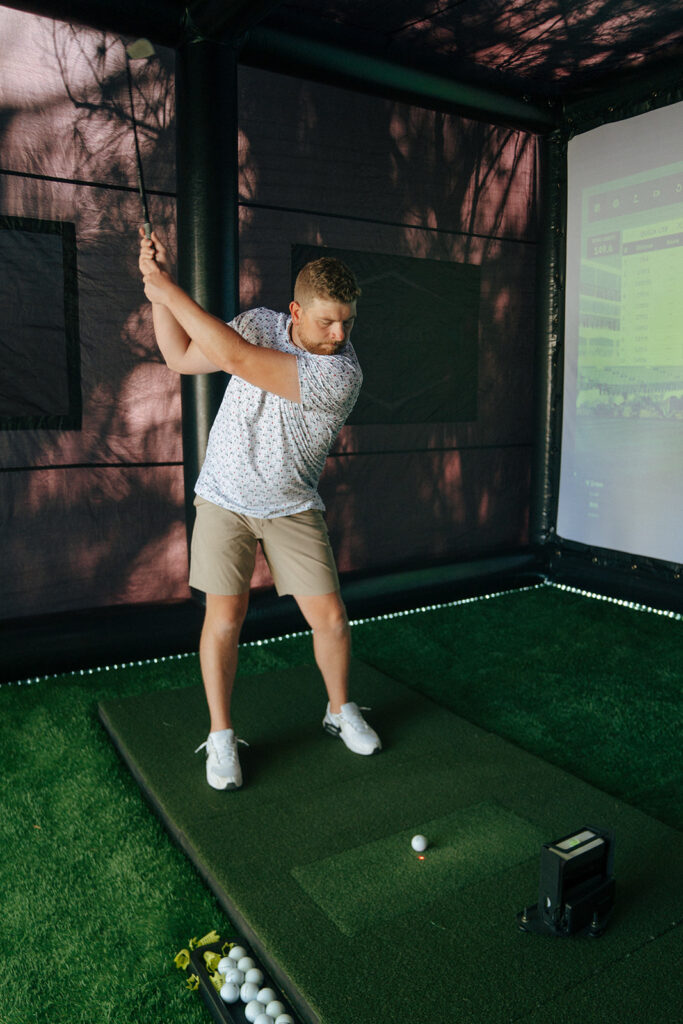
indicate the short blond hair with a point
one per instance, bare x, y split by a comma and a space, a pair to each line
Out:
325, 278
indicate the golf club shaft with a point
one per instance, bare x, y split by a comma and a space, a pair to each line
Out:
141, 181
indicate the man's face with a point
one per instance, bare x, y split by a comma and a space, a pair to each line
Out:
323, 327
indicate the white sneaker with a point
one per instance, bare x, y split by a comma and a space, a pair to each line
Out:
352, 729
222, 761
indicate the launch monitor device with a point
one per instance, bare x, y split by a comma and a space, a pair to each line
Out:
576, 887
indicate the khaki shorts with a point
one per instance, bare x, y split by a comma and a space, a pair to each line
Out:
296, 548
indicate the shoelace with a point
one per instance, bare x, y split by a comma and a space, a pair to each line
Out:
223, 749
355, 719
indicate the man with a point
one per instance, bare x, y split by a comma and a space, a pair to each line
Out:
294, 381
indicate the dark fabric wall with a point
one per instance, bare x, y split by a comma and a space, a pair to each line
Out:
322, 166
94, 517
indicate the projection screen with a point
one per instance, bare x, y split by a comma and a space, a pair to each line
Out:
621, 480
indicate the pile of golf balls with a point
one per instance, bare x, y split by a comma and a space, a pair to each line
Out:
243, 980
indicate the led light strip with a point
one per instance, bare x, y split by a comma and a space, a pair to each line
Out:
617, 600
444, 604
102, 668
362, 622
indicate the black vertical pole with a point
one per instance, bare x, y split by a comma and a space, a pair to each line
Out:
550, 341
207, 213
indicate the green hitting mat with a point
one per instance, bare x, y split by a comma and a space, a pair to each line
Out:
312, 859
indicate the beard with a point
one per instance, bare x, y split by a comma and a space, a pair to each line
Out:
316, 347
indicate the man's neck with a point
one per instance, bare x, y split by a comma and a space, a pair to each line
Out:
290, 331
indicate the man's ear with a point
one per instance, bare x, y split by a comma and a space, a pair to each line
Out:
295, 310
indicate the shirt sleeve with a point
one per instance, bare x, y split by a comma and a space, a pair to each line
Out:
329, 384
251, 325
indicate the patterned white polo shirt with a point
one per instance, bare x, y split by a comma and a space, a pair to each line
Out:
265, 454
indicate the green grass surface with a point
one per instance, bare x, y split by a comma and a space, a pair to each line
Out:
95, 897
313, 854
588, 685
367, 885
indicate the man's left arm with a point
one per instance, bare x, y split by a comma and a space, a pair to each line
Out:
265, 368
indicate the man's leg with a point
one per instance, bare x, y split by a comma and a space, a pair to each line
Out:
221, 565
218, 653
326, 615
302, 563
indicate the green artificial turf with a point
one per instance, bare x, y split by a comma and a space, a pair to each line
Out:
96, 899
368, 885
589, 685
313, 857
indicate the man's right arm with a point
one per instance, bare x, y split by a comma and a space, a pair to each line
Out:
179, 351
194, 341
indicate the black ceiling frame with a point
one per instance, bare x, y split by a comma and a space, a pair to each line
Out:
270, 36
321, 59
330, 57
217, 20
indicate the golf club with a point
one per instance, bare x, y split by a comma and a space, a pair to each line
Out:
140, 49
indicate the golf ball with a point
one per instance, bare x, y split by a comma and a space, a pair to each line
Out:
284, 1018
263, 1018
234, 975
248, 992
225, 964
252, 1010
230, 993
255, 976
245, 963
266, 995
237, 952
275, 1008
419, 843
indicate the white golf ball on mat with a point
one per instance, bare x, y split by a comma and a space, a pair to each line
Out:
237, 952
284, 1018
419, 843
229, 993
263, 1018
245, 963
275, 1008
255, 976
225, 965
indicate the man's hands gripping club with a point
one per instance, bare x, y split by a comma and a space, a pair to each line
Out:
153, 258
193, 341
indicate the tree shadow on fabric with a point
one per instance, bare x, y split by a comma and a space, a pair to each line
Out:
95, 517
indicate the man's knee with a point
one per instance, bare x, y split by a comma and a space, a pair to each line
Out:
225, 614
337, 625
325, 613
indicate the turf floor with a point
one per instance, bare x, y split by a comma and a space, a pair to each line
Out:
96, 899
313, 855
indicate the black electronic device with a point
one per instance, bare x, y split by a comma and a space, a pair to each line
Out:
576, 888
